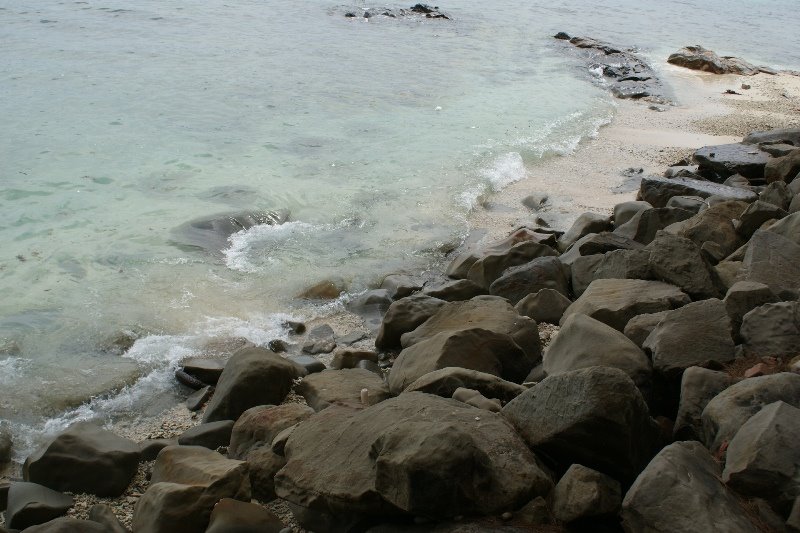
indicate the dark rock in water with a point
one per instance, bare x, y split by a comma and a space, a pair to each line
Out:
252, 376
206, 370
455, 291
583, 492
30, 504
657, 190
698, 58
459, 267
342, 387
188, 380
371, 306
783, 168
84, 458
784, 136
417, 454
197, 399
324, 290
763, 459
728, 159
417, 11
211, 435
211, 234
104, 515
242, 517
404, 316
566, 415
295, 327
773, 329
542, 273
561, 35
680, 490
445, 381
68, 525
730, 409
278, 346
546, 305
698, 387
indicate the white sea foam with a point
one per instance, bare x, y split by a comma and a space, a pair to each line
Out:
11, 368
506, 169
267, 238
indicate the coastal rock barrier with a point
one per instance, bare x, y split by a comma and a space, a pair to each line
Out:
668, 401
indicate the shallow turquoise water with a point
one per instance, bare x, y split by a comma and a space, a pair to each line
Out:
124, 120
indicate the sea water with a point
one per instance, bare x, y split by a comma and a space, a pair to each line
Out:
123, 120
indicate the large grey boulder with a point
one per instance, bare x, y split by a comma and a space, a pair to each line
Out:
546, 305
403, 316
258, 426
566, 415
582, 493
624, 211
616, 301
585, 224
212, 233
445, 381
778, 194
743, 297
763, 459
677, 260
773, 260
84, 458
542, 273
492, 265
416, 454
30, 504
730, 409
658, 191
640, 327
342, 387
715, 225
585, 342
371, 306
772, 329
487, 312
617, 264
755, 215
459, 267
598, 243
680, 491
252, 376
211, 435
698, 58
697, 334
454, 290
401, 285
207, 370
727, 159
783, 168
778, 135
645, 224
186, 483
698, 386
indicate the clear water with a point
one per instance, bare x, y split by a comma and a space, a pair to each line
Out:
124, 120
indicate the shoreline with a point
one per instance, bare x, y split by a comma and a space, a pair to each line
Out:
703, 115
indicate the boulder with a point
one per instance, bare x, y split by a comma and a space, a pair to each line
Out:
186, 483
625, 211
233, 516
763, 459
542, 273
726, 274
403, 316
349, 357
445, 381
585, 342
371, 306
743, 297
698, 386
787, 227
755, 215
778, 194
698, 58
344, 386
772, 329
598, 243
727, 159
545, 305
585, 223
697, 334
323, 290
206, 370
252, 376
566, 415
474, 348
104, 515
401, 285
787, 136
476, 399
196, 400
492, 265
657, 191
150, 448
263, 463
583, 493
68, 525
714, 224
416, 454
728, 410
211, 435
773, 260
454, 291
794, 206
30, 504
695, 204
212, 233
84, 458
258, 426
783, 168
618, 264
321, 339
677, 260
487, 312
640, 327
306, 364
680, 490
616, 301
644, 225
583, 270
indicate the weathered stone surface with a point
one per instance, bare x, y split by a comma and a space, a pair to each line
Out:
566, 415
738, 158
263, 464
584, 342
321, 339
546, 305
677, 260
783, 168
445, 381
743, 297
680, 490
196, 400
258, 426
598, 243
726, 274
786, 135
763, 459
349, 357
476, 399
697, 334
206, 370
403, 316
104, 515
542, 273
617, 264
585, 224
418, 454
343, 387
698, 58
324, 290
211, 435
755, 215
150, 448
371, 306
690, 203
492, 265
778, 194
486, 312
233, 516
306, 364
714, 224
252, 376
401, 285
84, 458
698, 386
454, 291
625, 211
583, 270
773, 260
583, 492
616, 301
640, 327
728, 410
644, 225
475, 348
657, 191
772, 329
186, 483
68, 525
30, 504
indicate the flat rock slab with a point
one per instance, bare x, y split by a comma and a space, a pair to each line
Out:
445, 381
30, 504
658, 191
211, 435
343, 387
206, 370
727, 159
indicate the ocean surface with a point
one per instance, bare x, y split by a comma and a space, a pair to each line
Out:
124, 120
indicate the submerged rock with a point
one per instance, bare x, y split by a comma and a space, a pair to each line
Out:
212, 233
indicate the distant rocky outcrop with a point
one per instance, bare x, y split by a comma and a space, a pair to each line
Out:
698, 58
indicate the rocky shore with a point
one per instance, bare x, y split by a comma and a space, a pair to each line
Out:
635, 370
